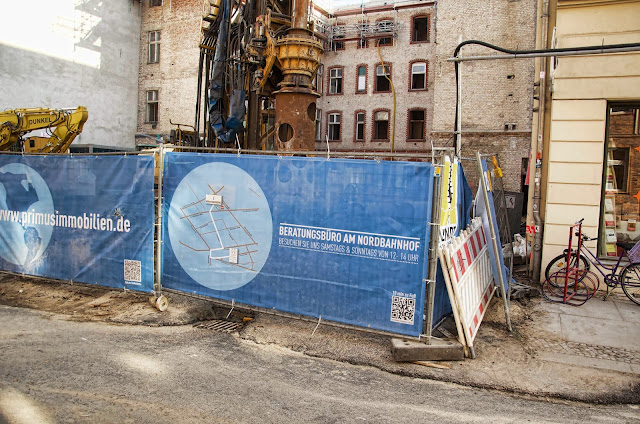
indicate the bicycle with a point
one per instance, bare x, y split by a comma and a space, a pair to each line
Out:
573, 268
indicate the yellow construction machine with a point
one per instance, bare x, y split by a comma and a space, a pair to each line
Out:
62, 125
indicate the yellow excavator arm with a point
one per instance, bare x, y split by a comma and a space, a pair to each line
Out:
65, 125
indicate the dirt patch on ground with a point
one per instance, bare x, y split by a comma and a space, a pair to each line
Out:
95, 303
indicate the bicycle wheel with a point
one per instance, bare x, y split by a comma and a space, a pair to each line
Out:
630, 282
559, 263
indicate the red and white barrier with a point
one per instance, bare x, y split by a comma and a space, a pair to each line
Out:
469, 279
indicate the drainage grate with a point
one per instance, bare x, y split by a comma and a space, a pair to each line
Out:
220, 325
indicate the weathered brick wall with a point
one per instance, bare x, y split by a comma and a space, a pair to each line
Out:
399, 56
176, 75
494, 92
510, 148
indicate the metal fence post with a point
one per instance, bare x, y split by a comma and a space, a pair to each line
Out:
434, 236
494, 243
157, 284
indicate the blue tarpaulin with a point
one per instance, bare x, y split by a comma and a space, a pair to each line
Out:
85, 219
345, 240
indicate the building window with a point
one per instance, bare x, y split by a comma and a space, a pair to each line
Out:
359, 129
621, 188
318, 125
338, 37
154, 47
416, 124
419, 76
363, 43
153, 3
333, 126
361, 83
385, 26
420, 29
383, 77
152, 107
317, 81
381, 125
335, 81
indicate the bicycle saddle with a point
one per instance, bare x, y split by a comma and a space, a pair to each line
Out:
626, 246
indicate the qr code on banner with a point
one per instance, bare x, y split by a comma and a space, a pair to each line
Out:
132, 271
403, 309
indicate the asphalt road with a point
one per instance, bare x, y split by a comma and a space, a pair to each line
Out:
55, 370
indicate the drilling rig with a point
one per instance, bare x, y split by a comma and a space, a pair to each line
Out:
254, 53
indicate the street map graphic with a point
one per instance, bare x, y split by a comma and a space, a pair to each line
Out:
23, 190
220, 226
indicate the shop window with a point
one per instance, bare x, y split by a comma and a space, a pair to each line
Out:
154, 47
420, 29
335, 81
359, 130
621, 187
361, 86
151, 116
333, 126
383, 75
419, 76
381, 125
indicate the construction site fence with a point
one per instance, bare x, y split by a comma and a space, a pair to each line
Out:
329, 238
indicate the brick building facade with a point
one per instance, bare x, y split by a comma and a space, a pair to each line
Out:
169, 53
356, 109
356, 91
497, 95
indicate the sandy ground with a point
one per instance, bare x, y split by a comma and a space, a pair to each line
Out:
505, 361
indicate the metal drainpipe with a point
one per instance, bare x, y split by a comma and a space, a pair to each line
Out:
537, 193
435, 22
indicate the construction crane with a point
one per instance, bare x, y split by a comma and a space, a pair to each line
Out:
255, 52
63, 126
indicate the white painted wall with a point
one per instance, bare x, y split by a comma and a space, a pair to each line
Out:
66, 53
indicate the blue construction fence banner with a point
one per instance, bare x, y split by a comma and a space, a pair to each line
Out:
88, 219
340, 240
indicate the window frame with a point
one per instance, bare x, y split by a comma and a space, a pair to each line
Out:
329, 123
413, 19
153, 45
409, 126
355, 126
375, 82
341, 68
151, 104
426, 75
373, 125
318, 125
318, 81
390, 37
617, 204
366, 69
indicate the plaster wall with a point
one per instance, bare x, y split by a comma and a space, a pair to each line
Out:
582, 86
67, 53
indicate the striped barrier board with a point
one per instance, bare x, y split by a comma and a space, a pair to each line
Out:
470, 278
